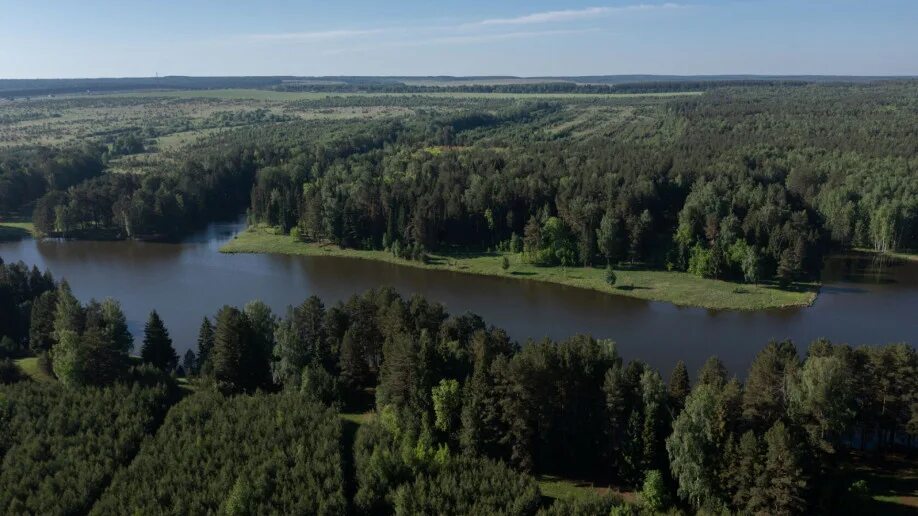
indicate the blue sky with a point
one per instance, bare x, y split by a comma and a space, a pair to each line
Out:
108, 38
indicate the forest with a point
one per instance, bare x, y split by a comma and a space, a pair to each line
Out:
382, 404
747, 183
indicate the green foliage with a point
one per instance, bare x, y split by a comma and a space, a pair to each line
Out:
610, 276
262, 454
469, 486
65, 444
654, 495
10, 372
157, 345
693, 446
447, 402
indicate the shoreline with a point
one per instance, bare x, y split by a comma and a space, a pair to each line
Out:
677, 288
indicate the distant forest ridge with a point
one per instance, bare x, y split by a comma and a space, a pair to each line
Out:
422, 84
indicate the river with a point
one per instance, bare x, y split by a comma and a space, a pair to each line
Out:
861, 302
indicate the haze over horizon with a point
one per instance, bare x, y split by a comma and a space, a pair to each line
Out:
102, 38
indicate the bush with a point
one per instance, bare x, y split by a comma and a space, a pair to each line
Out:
469, 486
654, 495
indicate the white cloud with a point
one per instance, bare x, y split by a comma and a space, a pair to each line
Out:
480, 38
573, 14
317, 35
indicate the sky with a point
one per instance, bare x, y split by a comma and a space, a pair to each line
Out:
141, 38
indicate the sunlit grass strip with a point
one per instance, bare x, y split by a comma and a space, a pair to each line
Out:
679, 288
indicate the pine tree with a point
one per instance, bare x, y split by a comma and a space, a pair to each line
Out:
68, 314
157, 346
190, 363
713, 373
41, 323
784, 480
205, 345
765, 398
745, 475
235, 349
353, 362
679, 387
116, 328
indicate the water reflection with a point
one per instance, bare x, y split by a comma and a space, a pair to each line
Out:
863, 301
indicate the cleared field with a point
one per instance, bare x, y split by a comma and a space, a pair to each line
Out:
30, 367
679, 288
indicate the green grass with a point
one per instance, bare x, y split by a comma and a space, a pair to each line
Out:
15, 230
564, 489
358, 418
674, 287
29, 366
906, 255
892, 481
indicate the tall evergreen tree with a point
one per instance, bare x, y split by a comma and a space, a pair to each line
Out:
115, 326
353, 362
68, 314
205, 345
190, 363
157, 345
765, 399
713, 373
679, 387
41, 323
785, 482
237, 357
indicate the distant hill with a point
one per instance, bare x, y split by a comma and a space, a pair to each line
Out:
37, 87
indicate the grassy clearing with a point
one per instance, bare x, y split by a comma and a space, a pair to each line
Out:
564, 489
892, 481
15, 230
30, 367
678, 288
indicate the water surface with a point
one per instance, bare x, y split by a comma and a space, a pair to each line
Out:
862, 301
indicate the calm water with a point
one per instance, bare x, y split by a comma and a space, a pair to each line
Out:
862, 302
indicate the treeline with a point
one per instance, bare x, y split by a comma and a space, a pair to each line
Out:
530, 87
745, 184
463, 414
27, 174
213, 182
453, 388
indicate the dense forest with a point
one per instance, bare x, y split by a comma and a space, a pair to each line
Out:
749, 184
459, 418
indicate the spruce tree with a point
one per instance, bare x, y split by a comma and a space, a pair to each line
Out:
679, 387
157, 346
784, 479
68, 314
353, 362
205, 345
190, 363
41, 323
713, 373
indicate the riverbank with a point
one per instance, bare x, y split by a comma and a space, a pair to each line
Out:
678, 288
15, 230
908, 256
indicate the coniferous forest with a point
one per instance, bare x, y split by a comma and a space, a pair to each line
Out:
741, 183
385, 404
